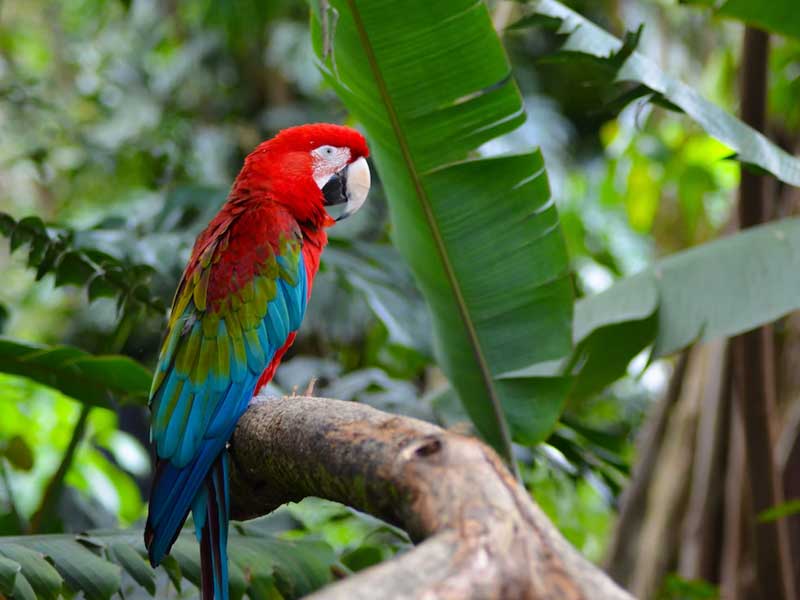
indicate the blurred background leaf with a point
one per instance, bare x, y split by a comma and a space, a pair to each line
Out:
620, 67
779, 16
93, 379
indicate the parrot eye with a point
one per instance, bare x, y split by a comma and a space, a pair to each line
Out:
326, 152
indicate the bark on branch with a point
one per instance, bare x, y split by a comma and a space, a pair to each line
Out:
479, 534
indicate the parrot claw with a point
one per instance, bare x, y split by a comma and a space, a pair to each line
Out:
307, 392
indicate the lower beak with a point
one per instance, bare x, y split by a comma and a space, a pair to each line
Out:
349, 186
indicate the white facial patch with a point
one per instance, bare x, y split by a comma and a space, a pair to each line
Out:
327, 160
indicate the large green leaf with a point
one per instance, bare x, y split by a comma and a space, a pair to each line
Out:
582, 38
430, 83
91, 379
719, 289
262, 565
780, 16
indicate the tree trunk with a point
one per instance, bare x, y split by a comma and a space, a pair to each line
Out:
698, 555
480, 534
754, 365
622, 557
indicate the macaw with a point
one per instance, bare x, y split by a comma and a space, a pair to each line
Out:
236, 312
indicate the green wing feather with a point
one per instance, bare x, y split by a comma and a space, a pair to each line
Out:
213, 354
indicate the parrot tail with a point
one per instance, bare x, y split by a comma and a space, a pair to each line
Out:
211, 512
175, 491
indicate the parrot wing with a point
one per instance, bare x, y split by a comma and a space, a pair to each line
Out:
214, 351
237, 306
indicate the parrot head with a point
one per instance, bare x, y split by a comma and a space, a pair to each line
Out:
309, 167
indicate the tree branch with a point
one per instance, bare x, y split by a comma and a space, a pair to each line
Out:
481, 535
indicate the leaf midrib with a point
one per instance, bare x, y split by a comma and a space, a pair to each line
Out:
437, 237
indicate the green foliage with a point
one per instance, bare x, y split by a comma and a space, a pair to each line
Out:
377, 272
34, 576
101, 485
715, 290
677, 588
263, 565
493, 272
92, 379
574, 502
9, 571
101, 274
581, 38
779, 16
784, 82
665, 174
356, 537
288, 554
785, 509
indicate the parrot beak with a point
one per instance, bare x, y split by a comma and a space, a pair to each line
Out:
349, 186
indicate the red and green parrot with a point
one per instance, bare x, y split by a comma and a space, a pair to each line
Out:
236, 311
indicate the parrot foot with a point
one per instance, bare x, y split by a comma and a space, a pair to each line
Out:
259, 398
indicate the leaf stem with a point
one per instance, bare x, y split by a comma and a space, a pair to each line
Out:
53, 490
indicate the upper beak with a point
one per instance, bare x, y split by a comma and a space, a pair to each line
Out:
349, 186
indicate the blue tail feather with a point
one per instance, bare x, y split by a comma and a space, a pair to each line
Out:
211, 513
174, 490
202, 482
